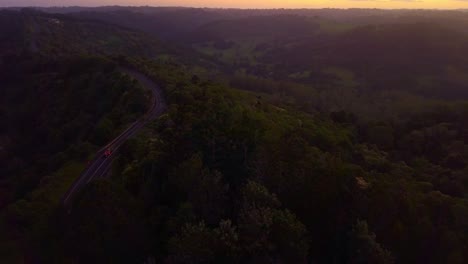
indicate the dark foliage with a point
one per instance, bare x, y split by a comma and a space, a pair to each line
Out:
350, 144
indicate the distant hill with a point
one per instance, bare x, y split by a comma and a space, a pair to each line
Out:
421, 52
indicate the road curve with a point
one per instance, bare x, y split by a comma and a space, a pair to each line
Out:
100, 165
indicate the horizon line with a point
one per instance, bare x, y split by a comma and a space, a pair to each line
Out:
244, 8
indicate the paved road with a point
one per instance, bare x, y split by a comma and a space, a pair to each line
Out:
100, 165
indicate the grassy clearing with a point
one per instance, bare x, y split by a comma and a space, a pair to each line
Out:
300, 75
344, 77
334, 27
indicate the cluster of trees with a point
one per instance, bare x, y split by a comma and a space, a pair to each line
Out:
225, 176
56, 113
434, 142
371, 44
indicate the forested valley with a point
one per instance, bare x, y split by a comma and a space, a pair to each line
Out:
290, 136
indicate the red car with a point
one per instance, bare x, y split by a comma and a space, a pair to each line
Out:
107, 153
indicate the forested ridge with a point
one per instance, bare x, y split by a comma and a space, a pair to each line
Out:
255, 161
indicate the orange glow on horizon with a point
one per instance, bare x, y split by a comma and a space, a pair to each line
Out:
384, 4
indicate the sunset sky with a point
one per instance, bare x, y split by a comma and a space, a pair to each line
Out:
439, 4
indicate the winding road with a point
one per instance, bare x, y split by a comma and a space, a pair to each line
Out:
100, 165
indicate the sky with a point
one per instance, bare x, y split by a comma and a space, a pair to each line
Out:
387, 4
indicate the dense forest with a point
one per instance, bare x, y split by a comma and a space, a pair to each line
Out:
291, 136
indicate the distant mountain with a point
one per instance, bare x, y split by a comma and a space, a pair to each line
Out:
152, 19
313, 44
165, 23
68, 34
